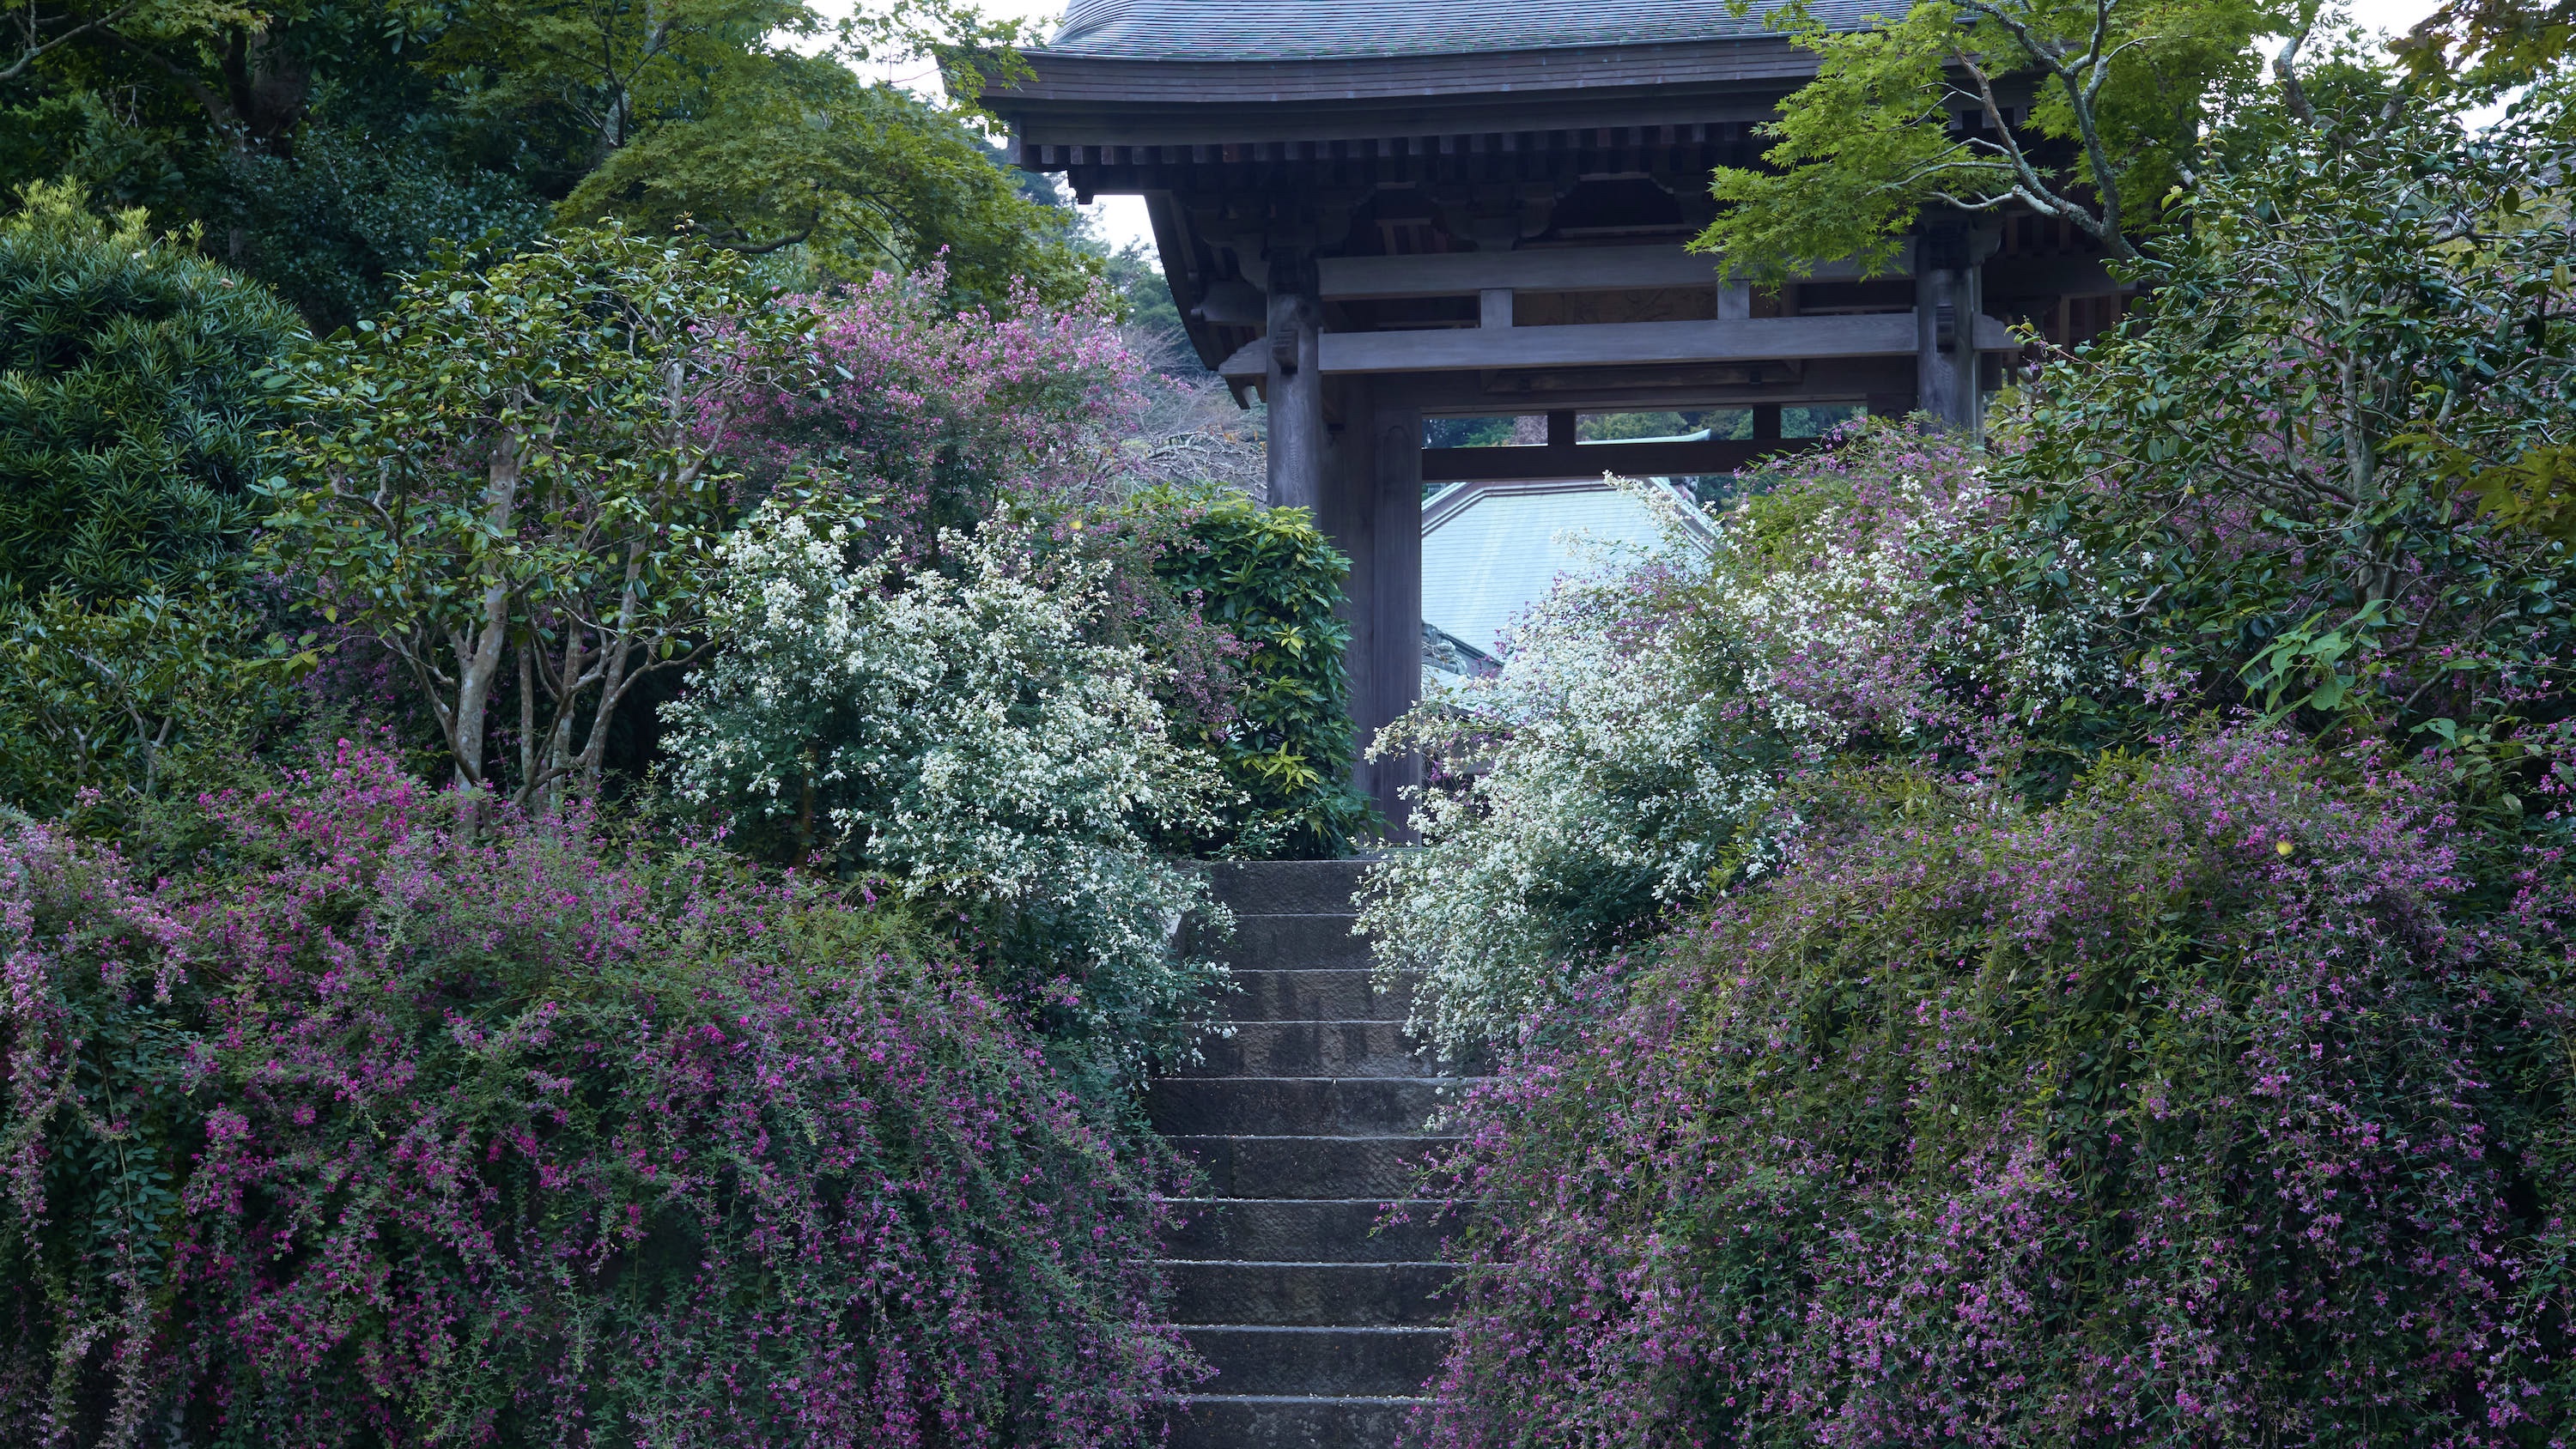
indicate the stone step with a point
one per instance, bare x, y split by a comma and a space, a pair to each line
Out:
1338, 993
1266, 1359
1287, 1422
1296, 943
1292, 1106
1322, 1049
1311, 1230
1311, 1167
1286, 887
1307, 1295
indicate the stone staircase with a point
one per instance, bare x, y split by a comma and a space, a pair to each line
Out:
1308, 1123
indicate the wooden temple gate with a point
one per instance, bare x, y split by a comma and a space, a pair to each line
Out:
1374, 212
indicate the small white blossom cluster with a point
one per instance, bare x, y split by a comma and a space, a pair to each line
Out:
1628, 756
1844, 623
958, 734
1602, 775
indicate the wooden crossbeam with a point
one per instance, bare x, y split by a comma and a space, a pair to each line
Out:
1591, 460
1574, 269
1619, 344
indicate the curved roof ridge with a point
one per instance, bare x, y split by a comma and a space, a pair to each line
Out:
1353, 29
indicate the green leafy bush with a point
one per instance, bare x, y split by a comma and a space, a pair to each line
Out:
130, 407
1270, 578
2319, 476
523, 467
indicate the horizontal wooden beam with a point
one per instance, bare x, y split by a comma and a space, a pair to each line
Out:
1573, 269
1621, 344
2065, 276
1624, 390
1591, 460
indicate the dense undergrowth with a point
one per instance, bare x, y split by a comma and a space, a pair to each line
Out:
738, 1042
331, 1123
2063, 943
2189, 1111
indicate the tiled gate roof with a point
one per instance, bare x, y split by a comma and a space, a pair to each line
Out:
1334, 29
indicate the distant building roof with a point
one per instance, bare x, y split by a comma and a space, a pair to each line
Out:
1334, 29
1444, 653
1490, 550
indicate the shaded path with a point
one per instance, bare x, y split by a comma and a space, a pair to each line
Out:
1308, 1124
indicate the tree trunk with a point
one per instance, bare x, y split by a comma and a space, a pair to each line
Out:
558, 758
482, 665
527, 709
619, 651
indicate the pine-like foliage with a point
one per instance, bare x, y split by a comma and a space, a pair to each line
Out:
130, 409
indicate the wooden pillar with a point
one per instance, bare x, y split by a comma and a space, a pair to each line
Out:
1293, 387
1946, 303
1395, 602
1346, 511
1371, 507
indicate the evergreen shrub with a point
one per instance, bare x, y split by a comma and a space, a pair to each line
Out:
131, 422
130, 402
1272, 580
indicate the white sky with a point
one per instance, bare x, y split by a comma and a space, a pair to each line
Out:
1121, 219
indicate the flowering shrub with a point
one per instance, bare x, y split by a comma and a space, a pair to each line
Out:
2183, 1113
1625, 759
370, 1133
963, 737
935, 416
1236, 606
1047, 419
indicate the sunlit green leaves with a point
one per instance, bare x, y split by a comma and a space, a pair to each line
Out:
1970, 104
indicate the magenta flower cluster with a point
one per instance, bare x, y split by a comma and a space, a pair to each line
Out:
359, 1129
935, 417
2187, 1112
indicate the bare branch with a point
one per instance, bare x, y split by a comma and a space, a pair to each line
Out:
2028, 174
2107, 228
37, 46
2285, 68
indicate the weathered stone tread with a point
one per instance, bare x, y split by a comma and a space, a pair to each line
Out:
1311, 1230
1286, 1106
1308, 1119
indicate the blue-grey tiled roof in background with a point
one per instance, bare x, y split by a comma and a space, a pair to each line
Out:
1348, 29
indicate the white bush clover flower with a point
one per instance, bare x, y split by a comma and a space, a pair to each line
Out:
961, 736
1628, 757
